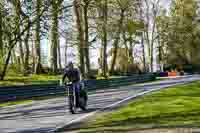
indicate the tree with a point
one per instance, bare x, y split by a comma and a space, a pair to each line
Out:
181, 21
17, 6
38, 65
141, 11
13, 35
86, 35
27, 50
151, 11
28, 9
162, 29
80, 37
2, 51
179, 34
1, 29
102, 29
55, 35
123, 5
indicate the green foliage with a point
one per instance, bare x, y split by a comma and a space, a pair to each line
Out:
133, 26
14, 69
101, 77
123, 3
1, 63
179, 33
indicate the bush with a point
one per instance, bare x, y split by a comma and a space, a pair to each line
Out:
92, 74
191, 68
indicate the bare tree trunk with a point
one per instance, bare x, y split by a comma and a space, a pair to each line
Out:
38, 65
55, 35
115, 51
103, 65
66, 59
78, 13
100, 61
105, 17
5, 67
127, 55
152, 46
26, 63
21, 53
143, 54
114, 57
2, 76
128, 51
151, 28
147, 36
65, 51
131, 49
142, 36
54, 38
87, 56
33, 55
59, 57
160, 55
14, 57
1, 31
18, 25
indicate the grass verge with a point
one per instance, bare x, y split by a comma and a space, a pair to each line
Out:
175, 107
29, 80
15, 103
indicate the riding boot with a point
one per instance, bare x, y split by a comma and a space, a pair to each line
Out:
77, 99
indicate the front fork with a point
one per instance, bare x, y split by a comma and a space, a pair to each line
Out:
74, 95
72, 92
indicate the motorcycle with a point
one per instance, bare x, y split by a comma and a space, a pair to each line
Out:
76, 99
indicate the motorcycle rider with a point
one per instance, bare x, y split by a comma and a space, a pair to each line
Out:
73, 75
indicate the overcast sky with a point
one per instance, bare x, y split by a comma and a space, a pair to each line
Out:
166, 3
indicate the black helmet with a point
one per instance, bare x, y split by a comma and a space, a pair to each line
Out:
70, 64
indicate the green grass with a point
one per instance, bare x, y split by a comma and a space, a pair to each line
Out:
177, 106
27, 80
15, 103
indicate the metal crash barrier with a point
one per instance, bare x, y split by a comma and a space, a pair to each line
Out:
13, 93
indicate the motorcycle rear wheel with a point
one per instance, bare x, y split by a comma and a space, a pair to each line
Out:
83, 101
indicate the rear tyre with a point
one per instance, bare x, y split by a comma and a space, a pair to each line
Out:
83, 101
83, 104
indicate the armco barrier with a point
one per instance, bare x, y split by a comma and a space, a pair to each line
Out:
13, 93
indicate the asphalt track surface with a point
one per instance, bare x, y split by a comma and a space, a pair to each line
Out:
47, 115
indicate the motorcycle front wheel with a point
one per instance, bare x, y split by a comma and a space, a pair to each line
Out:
72, 102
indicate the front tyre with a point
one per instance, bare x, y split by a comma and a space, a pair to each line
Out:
71, 105
72, 102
